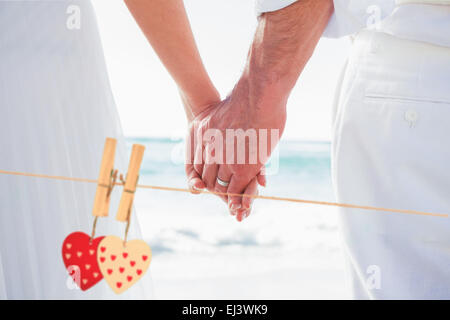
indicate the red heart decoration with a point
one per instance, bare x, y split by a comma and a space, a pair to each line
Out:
80, 258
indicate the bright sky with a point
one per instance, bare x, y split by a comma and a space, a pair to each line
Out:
147, 98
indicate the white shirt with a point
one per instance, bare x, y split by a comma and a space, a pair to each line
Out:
402, 18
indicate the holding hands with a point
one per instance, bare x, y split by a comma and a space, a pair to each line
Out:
228, 144
229, 141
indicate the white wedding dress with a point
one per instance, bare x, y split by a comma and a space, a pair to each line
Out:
56, 111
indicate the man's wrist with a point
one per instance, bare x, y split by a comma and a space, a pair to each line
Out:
270, 72
264, 92
283, 43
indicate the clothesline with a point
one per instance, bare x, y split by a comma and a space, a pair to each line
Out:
275, 198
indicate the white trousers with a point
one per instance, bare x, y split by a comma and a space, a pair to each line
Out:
391, 149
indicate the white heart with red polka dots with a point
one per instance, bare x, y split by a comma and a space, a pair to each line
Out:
123, 264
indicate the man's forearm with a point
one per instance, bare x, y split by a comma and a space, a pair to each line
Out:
283, 43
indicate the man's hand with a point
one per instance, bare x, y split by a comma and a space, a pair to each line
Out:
232, 140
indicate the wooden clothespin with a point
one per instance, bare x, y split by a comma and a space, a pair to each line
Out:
131, 258
130, 183
106, 179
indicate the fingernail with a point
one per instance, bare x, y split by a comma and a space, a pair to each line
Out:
235, 206
199, 186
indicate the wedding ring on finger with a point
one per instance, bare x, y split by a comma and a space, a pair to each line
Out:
222, 183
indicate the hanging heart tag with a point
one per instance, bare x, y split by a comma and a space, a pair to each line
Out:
123, 264
80, 258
